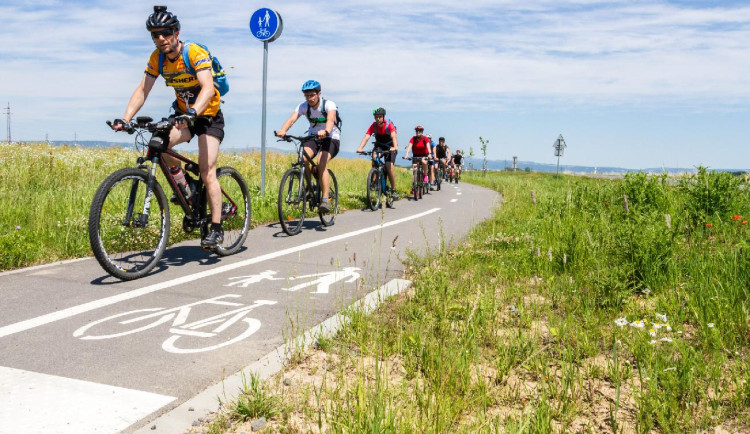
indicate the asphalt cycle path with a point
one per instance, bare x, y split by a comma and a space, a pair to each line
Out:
81, 351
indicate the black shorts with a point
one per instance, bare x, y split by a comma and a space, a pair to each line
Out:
388, 158
211, 125
328, 144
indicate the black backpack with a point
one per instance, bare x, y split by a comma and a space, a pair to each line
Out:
316, 121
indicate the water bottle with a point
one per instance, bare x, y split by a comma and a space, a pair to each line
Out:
179, 177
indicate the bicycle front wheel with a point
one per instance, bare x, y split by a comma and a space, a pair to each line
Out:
292, 201
128, 229
235, 210
373, 189
327, 218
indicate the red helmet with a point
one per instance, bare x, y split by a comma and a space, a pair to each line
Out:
419, 128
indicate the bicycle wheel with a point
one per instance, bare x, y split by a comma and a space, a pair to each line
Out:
126, 242
333, 196
389, 191
373, 189
291, 202
236, 210
438, 179
420, 182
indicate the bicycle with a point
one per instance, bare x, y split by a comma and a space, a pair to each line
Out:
296, 192
418, 186
128, 239
439, 174
377, 183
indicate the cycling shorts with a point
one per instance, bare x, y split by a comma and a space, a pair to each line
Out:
328, 145
211, 125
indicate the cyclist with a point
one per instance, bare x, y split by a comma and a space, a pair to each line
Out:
321, 114
197, 111
420, 146
458, 162
385, 140
431, 161
442, 153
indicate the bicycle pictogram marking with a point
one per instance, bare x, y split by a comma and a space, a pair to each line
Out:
188, 334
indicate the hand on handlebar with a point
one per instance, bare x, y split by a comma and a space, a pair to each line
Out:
121, 125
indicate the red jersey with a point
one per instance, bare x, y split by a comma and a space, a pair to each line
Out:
420, 147
385, 130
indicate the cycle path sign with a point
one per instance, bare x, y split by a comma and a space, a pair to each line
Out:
123, 354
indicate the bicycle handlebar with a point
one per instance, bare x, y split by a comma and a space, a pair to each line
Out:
289, 137
146, 123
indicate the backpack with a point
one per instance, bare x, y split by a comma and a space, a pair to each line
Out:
220, 77
314, 122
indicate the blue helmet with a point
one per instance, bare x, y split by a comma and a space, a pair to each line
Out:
311, 85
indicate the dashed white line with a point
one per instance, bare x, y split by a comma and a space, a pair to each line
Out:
96, 304
454, 200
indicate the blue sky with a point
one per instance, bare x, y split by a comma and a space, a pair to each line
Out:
631, 84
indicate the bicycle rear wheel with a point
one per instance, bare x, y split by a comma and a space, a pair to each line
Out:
236, 210
126, 242
292, 201
373, 189
327, 218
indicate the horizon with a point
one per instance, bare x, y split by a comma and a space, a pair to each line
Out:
631, 84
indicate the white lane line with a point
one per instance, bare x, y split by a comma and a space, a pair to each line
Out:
31, 402
458, 194
96, 304
454, 200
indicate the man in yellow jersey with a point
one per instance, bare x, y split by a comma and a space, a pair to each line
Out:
197, 111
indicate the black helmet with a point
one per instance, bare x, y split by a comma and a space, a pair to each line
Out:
442, 139
380, 111
162, 18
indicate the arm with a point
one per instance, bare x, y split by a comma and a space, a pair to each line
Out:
288, 124
330, 121
363, 143
394, 147
207, 92
138, 98
408, 149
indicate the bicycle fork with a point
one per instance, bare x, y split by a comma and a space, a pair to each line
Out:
143, 218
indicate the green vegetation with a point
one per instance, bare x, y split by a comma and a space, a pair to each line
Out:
600, 306
46, 192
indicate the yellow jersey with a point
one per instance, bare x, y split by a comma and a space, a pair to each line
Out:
186, 85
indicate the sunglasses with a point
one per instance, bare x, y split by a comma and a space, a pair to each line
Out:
419, 131
164, 33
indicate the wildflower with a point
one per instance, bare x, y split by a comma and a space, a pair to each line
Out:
657, 325
647, 291
606, 202
737, 217
637, 324
708, 225
710, 325
652, 332
621, 322
669, 328
744, 222
666, 339
661, 317
653, 341
673, 368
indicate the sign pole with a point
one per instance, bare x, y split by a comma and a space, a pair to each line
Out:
266, 26
263, 129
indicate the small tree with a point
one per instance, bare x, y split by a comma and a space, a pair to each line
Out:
484, 143
471, 157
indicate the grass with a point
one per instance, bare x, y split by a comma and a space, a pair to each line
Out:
46, 192
576, 313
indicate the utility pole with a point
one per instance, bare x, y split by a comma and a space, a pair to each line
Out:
75, 138
7, 112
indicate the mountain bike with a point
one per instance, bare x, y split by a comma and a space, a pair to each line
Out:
128, 237
418, 186
439, 174
377, 183
298, 190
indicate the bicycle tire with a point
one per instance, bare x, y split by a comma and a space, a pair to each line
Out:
327, 218
389, 191
373, 189
291, 202
235, 219
127, 250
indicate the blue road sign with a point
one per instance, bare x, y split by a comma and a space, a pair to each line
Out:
266, 25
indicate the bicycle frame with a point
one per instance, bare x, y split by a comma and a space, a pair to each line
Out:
302, 158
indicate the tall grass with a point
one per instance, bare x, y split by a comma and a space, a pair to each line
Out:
576, 313
46, 192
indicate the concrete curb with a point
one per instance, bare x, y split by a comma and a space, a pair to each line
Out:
181, 418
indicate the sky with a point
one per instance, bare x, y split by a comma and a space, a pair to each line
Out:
632, 84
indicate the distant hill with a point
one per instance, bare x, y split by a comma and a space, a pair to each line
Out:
475, 163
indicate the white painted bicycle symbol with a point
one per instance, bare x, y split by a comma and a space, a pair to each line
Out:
263, 33
231, 326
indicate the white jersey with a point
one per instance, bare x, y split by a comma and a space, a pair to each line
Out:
316, 114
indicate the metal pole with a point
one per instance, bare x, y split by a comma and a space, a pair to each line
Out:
263, 129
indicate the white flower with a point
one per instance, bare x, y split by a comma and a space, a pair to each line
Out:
673, 368
652, 341
657, 326
621, 322
710, 325
666, 339
637, 324
652, 332
661, 317
647, 291
669, 329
